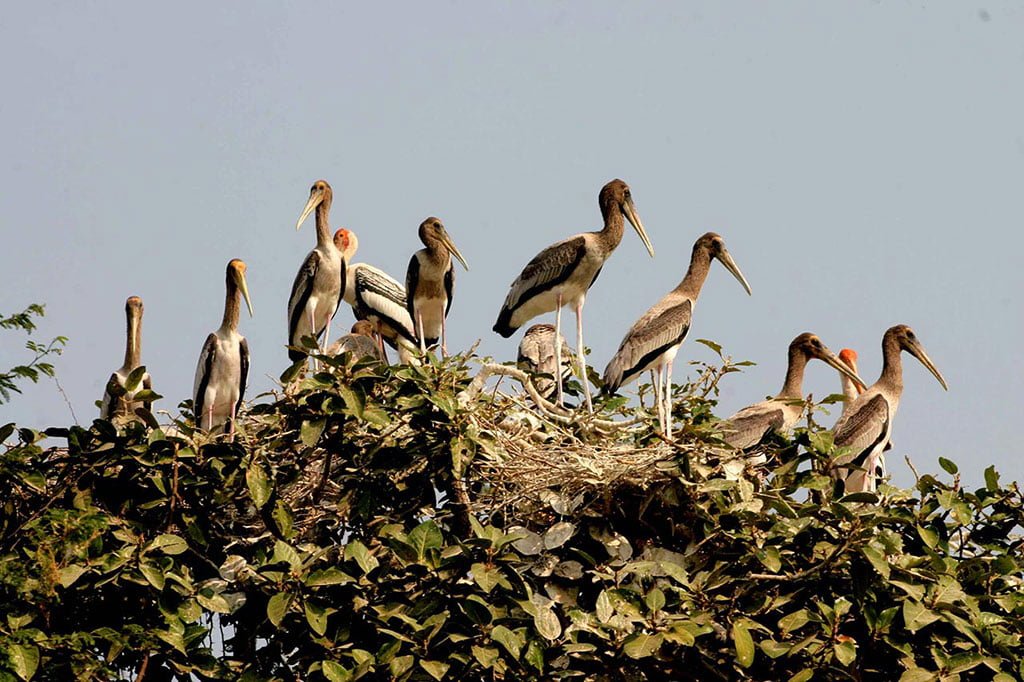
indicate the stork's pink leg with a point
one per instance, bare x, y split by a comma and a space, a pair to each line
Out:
582, 356
444, 337
419, 332
668, 400
558, 348
659, 405
231, 425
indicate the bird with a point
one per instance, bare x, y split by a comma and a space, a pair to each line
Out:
378, 298
561, 275
429, 283
319, 285
653, 340
117, 399
866, 425
748, 427
224, 361
359, 343
850, 392
537, 354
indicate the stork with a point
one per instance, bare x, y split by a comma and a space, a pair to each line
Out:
429, 283
359, 342
537, 354
653, 340
561, 275
850, 392
224, 361
319, 285
378, 298
749, 426
117, 399
866, 425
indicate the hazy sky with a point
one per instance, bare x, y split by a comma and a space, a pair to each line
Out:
864, 162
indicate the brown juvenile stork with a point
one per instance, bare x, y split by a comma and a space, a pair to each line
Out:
866, 425
359, 342
537, 354
430, 283
320, 283
117, 399
223, 366
748, 427
653, 340
561, 275
379, 298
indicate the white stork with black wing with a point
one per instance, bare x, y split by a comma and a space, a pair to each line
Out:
430, 283
866, 425
378, 298
320, 283
561, 275
223, 367
117, 399
653, 341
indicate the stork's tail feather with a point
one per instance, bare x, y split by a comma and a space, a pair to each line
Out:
504, 324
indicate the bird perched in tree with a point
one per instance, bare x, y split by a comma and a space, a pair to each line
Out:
359, 343
430, 283
537, 355
118, 399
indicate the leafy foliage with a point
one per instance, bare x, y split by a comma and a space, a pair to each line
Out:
36, 366
356, 530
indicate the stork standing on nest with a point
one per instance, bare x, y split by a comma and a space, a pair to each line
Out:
561, 275
223, 366
850, 392
866, 425
537, 354
653, 341
378, 298
748, 427
319, 285
430, 283
359, 342
117, 399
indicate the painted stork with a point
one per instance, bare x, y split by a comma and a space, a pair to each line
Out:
359, 342
850, 391
561, 275
319, 285
117, 399
866, 425
748, 427
378, 298
224, 361
653, 341
537, 354
429, 283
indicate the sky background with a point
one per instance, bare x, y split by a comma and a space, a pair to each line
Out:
863, 161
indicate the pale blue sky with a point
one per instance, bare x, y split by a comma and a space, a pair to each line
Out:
864, 162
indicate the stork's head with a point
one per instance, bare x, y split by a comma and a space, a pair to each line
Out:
907, 341
812, 347
319, 193
615, 196
713, 245
133, 306
346, 242
432, 232
236, 275
849, 358
363, 328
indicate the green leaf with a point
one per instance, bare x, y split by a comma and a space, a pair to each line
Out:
642, 645
845, 651
310, 431
153, 575
772, 648
400, 665
512, 642
69, 574
316, 616
23, 659
802, 676
277, 607
916, 615
991, 478
258, 483
485, 577
286, 553
655, 599
135, 378
558, 534
168, 543
712, 345
436, 669
334, 671
362, 556
877, 559
770, 557
948, 466
424, 537
794, 621
928, 536
486, 656
917, 675
744, 644
547, 624
328, 576
603, 607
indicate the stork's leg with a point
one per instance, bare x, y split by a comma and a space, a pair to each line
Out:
209, 418
659, 406
654, 384
558, 349
582, 357
419, 332
668, 400
231, 425
444, 338
312, 331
